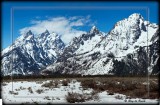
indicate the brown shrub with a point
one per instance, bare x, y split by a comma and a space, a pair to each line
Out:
65, 82
48, 84
22, 88
39, 82
30, 90
4, 84
51, 84
110, 93
126, 86
17, 89
58, 98
154, 87
102, 87
89, 83
47, 97
154, 95
94, 95
75, 97
39, 91
56, 83
139, 93
109, 84
119, 97
12, 92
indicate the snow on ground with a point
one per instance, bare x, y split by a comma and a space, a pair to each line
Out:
119, 98
57, 95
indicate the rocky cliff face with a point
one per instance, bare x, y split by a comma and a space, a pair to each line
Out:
31, 53
123, 51
130, 48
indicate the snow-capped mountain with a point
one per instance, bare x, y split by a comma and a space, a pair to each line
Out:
82, 44
30, 53
130, 48
123, 51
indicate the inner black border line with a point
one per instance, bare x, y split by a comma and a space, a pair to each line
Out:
80, 7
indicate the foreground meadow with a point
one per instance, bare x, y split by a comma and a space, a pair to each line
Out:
80, 90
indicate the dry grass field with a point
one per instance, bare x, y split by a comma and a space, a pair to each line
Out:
132, 87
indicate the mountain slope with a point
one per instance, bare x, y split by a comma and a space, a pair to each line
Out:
130, 48
30, 53
109, 54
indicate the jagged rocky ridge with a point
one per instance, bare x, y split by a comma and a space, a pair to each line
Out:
30, 53
123, 51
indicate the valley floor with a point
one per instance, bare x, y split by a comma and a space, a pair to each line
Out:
86, 90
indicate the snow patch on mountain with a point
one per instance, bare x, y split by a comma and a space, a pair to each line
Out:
30, 53
92, 53
95, 53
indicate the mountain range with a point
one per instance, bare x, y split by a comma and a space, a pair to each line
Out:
131, 47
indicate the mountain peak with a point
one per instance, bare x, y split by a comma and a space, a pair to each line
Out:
135, 16
94, 29
45, 33
29, 33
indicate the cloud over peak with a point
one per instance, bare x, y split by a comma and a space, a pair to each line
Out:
66, 27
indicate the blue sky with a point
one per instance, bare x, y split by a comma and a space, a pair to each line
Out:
73, 17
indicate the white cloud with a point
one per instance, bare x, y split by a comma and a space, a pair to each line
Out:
66, 27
